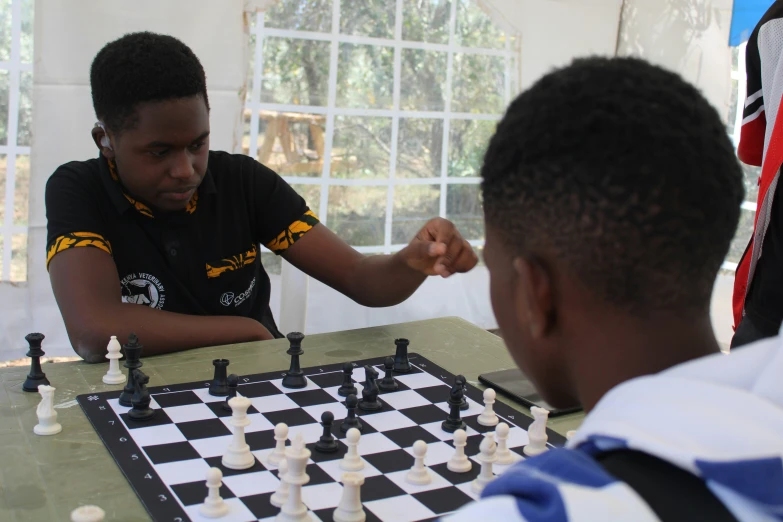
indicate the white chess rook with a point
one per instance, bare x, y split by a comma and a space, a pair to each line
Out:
488, 417
352, 461
281, 435
88, 514
487, 457
459, 462
279, 497
503, 454
350, 507
238, 454
418, 474
537, 432
213, 506
296, 457
114, 375
47, 416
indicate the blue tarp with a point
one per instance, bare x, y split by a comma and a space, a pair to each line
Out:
744, 17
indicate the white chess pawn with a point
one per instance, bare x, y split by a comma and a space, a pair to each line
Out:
503, 454
350, 507
487, 457
114, 375
296, 457
238, 455
47, 416
459, 462
213, 506
88, 514
279, 497
488, 417
281, 435
418, 474
536, 432
570, 434
352, 461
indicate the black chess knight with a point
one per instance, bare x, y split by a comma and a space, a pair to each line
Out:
370, 391
141, 410
454, 421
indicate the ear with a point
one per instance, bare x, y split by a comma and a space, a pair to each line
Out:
103, 141
535, 294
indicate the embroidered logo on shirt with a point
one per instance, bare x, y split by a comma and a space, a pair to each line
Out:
143, 289
229, 297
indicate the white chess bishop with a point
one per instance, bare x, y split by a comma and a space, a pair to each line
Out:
114, 375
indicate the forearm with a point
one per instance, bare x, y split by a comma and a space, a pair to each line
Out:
386, 280
160, 331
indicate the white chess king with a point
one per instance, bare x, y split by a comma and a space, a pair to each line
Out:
47, 416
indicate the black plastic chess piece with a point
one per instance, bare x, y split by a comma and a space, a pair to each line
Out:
388, 383
327, 442
132, 362
36, 377
401, 363
219, 385
233, 381
141, 410
454, 421
295, 377
370, 391
463, 382
351, 420
348, 387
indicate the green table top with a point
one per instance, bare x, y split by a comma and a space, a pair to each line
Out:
45, 478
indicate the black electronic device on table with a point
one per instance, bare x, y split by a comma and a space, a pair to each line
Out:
516, 385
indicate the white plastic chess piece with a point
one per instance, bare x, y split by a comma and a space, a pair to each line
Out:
352, 461
536, 432
114, 375
279, 497
570, 434
459, 462
488, 417
87, 513
296, 457
418, 474
487, 457
350, 507
213, 506
281, 435
238, 454
47, 416
503, 454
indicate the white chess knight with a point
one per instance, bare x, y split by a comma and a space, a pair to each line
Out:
459, 462
47, 416
487, 457
114, 375
536, 432
418, 474
488, 417
278, 454
350, 507
352, 461
213, 506
296, 456
238, 455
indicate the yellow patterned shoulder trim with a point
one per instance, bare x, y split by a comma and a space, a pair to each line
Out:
293, 233
77, 239
218, 268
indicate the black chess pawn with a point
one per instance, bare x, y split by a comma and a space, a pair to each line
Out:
219, 385
454, 421
348, 387
351, 420
388, 384
36, 377
370, 391
327, 443
141, 410
132, 362
295, 377
233, 381
461, 380
401, 363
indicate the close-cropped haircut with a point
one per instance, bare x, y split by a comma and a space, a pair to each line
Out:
142, 67
626, 174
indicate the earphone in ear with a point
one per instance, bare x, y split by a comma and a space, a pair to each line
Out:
105, 139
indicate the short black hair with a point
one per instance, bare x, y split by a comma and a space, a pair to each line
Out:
142, 67
623, 171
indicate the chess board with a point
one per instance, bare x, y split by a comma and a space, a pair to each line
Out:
166, 458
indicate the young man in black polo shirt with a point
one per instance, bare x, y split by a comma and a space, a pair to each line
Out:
175, 227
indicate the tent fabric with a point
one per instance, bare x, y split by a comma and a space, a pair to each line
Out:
745, 15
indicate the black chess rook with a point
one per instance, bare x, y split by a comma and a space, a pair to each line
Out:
401, 363
36, 377
454, 421
141, 410
132, 362
388, 384
327, 443
233, 381
295, 377
219, 385
351, 420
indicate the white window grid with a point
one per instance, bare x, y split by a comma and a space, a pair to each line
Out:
11, 150
331, 110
